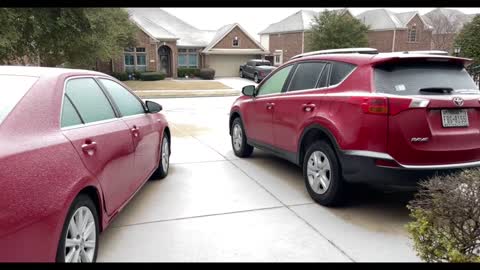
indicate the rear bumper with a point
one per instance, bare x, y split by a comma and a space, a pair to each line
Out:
362, 169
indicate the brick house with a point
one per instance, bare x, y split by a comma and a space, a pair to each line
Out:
391, 32
165, 43
446, 23
290, 36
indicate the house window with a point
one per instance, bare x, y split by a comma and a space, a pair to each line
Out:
235, 42
412, 34
135, 59
188, 58
278, 57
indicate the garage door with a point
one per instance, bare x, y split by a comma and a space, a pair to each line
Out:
227, 65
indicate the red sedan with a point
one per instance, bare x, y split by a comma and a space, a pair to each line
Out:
75, 146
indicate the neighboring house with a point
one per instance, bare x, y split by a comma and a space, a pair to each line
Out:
165, 43
446, 23
290, 36
390, 31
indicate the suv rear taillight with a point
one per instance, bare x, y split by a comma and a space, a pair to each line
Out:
390, 105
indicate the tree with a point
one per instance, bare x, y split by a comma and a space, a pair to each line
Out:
334, 29
469, 40
74, 37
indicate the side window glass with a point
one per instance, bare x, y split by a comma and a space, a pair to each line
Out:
340, 71
126, 102
323, 82
275, 83
70, 116
89, 99
306, 76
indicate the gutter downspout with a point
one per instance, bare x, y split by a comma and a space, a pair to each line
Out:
393, 41
303, 41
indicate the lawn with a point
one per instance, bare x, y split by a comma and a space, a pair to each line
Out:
175, 85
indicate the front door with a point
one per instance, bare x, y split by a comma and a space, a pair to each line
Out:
164, 54
146, 139
260, 126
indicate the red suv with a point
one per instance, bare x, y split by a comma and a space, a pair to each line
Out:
387, 119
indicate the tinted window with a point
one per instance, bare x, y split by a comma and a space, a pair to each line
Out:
90, 101
323, 82
70, 116
409, 78
306, 76
12, 89
127, 103
275, 83
340, 71
263, 64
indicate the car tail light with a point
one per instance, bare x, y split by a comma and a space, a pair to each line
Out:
386, 163
389, 106
397, 105
261, 73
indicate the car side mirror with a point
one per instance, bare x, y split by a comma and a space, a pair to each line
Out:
248, 90
153, 107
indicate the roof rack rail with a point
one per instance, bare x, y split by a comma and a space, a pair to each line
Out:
335, 51
435, 52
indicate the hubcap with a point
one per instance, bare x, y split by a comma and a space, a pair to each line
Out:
237, 137
256, 78
165, 154
319, 172
81, 236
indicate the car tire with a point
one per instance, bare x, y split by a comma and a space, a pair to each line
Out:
241, 74
164, 164
239, 141
322, 175
255, 78
82, 244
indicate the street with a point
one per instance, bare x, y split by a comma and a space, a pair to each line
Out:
214, 206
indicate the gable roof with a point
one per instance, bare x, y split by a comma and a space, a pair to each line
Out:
455, 18
384, 19
298, 22
224, 30
160, 24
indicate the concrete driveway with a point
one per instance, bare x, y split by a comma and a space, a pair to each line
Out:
214, 206
236, 82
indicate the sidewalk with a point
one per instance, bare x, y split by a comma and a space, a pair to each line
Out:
145, 94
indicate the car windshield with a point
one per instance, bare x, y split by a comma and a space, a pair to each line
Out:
263, 64
12, 89
422, 78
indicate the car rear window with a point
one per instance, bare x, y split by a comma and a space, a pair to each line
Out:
263, 64
408, 78
12, 89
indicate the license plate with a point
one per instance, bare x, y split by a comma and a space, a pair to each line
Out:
454, 118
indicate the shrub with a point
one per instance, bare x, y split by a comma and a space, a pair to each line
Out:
206, 73
152, 76
121, 76
446, 213
181, 72
137, 74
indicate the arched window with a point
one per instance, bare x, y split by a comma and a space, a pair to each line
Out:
412, 33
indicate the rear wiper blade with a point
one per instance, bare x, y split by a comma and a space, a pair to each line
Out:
436, 90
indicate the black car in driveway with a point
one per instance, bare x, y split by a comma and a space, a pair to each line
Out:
256, 69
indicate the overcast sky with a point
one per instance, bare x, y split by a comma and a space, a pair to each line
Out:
255, 20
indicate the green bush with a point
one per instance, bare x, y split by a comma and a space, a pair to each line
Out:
446, 213
206, 73
137, 75
121, 76
181, 72
152, 76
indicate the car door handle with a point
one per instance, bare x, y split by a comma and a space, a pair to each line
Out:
89, 147
270, 105
135, 131
308, 107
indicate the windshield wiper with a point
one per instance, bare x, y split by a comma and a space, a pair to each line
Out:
436, 90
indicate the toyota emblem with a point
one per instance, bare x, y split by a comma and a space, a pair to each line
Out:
458, 101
